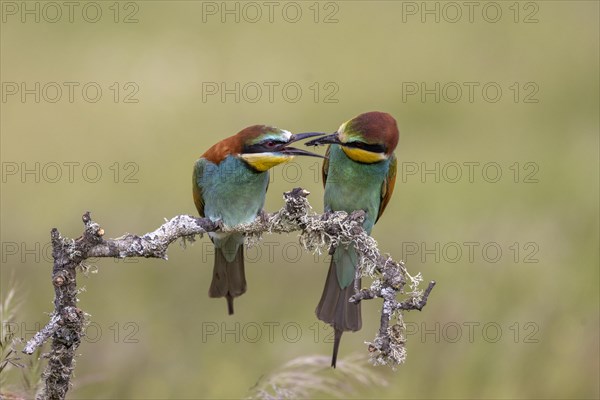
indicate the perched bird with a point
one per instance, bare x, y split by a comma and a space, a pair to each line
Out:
359, 174
229, 185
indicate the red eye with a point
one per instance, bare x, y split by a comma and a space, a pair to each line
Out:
271, 143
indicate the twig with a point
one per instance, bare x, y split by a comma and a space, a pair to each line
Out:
43, 335
317, 233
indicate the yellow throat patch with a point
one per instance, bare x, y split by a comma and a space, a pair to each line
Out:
363, 156
265, 161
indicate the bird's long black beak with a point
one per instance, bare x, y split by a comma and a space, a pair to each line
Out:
329, 139
301, 136
299, 152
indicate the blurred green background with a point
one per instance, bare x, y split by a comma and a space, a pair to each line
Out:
522, 323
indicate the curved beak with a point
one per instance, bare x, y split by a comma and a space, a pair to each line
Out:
329, 139
298, 152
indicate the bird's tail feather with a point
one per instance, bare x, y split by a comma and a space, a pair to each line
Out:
229, 277
336, 345
335, 309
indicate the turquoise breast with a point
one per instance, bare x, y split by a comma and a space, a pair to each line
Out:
232, 192
354, 186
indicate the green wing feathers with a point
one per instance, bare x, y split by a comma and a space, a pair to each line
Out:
196, 188
325, 167
387, 188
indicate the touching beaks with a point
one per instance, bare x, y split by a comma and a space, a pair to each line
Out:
329, 139
299, 136
298, 152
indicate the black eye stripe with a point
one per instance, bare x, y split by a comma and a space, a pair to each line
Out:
374, 148
263, 147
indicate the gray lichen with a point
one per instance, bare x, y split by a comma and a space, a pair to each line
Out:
317, 233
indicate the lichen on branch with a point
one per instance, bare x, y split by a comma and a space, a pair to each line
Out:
317, 233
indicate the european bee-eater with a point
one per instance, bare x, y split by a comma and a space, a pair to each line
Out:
359, 173
229, 185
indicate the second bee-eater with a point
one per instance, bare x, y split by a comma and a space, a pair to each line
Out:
359, 174
230, 182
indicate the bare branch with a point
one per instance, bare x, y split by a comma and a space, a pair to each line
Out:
317, 233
